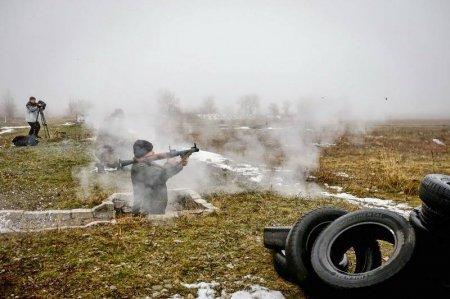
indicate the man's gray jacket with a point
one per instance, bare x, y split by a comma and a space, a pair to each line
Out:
32, 113
149, 186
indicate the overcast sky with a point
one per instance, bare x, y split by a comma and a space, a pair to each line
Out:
356, 52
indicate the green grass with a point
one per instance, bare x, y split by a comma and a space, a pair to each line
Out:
42, 177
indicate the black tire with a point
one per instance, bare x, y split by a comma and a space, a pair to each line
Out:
275, 237
302, 237
433, 214
432, 218
434, 191
365, 226
432, 241
427, 221
281, 266
416, 222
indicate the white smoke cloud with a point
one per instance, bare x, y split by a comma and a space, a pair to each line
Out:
340, 64
111, 52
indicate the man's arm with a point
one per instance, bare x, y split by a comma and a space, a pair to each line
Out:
32, 108
173, 167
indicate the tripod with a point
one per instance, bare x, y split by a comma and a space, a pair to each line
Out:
43, 122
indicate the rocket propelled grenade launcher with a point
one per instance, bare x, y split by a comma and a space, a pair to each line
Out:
160, 156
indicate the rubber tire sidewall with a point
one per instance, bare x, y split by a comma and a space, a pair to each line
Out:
434, 190
280, 265
403, 250
299, 242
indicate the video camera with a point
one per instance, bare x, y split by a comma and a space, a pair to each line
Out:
41, 105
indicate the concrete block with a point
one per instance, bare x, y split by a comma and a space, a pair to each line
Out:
59, 215
182, 202
81, 213
120, 203
194, 195
9, 220
201, 201
32, 220
108, 215
103, 207
120, 199
81, 217
11, 214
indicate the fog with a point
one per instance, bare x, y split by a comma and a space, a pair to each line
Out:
384, 59
339, 65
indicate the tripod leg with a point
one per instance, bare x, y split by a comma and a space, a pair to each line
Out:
44, 124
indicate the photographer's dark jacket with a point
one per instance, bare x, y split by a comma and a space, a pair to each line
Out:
32, 112
149, 186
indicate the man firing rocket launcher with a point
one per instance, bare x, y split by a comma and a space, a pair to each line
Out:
184, 154
149, 179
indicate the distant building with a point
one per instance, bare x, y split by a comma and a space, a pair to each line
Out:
220, 116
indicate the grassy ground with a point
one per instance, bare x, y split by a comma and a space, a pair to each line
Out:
134, 259
389, 162
129, 259
48, 176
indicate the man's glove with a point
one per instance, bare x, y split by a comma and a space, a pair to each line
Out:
184, 161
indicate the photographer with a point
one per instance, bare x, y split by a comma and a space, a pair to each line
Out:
32, 115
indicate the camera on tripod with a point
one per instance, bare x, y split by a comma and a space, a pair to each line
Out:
41, 105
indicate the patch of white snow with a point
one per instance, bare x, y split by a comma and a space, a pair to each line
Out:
437, 141
257, 292
369, 202
342, 174
206, 291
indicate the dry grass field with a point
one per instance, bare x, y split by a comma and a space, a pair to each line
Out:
135, 259
390, 161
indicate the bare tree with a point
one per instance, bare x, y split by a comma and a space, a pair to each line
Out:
78, 108
208, 105
8, 107
168, 103
249, 104
274, 110
286, 107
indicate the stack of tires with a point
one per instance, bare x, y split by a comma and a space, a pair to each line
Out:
431, 222
333, 253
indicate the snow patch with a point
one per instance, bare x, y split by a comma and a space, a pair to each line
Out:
277, 179
324, 144
206, 291
369, 202
90, 139
209, 157
4, 130
342, 174
253, 173
17, 127
437, 141
68, 124
257, 292
337, 188
257, 179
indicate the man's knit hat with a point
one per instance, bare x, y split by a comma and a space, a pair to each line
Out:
141, 148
